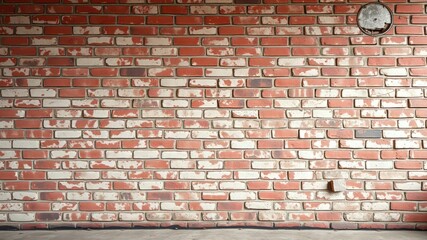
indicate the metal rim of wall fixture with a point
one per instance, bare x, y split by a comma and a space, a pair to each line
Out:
375, 32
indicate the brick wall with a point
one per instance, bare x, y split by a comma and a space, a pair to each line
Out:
211, 113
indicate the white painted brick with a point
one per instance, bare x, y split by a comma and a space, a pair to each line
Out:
56, 103
411, 123
14, 93
146, 154
129, 41
222, 72
242, 144
334, 174
352, 93
216, 113
289, 164
301, 124
29, 30
378, 144
148, 61
382, 93
109, 103
259, 205
6, 103
300, 195
247, 175
131, 217
114, 124
88, 175
371, 113
26, 144
68, 134
327, 93
57, 124
182, 164
394, 103
152, 41
202, 154
394, 72
363, 103
264, 165
298, 113
65, 113
309, 154
189, 113
63, 154
106, 196
409, 93
312, 72
9, 154
219, 175
287, 103
101, 134
386, 217
375, 206
210, 164
302, 175
226, 124
406, 144
311, 103
389, 175
26, 196
292, 206
175, 103
203, 82
246, 113
380, 164
87, 29
325, 144
410, 186
173, 206
232, 134
351, 164
22, 217
173, 82
232, 185
59, 175
5, 196
317, 185
151, 185
354, 144
177, 134
192, 175
358, 217
243, 195
292, 62
319, 113
417, 175
118, 154
174, 155
6, 124
330, 195
164, 51
90, 61
113, 174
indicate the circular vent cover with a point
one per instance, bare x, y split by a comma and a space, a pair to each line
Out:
374, 19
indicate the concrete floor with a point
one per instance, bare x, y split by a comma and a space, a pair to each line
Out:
212, 234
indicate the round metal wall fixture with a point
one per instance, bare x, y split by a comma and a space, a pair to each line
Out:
374, 19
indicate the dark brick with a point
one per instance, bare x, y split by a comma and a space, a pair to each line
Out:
369, 133
132, 72
260, 83
247, 1
48, 217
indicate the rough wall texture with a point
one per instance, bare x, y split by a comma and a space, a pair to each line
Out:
211, 113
